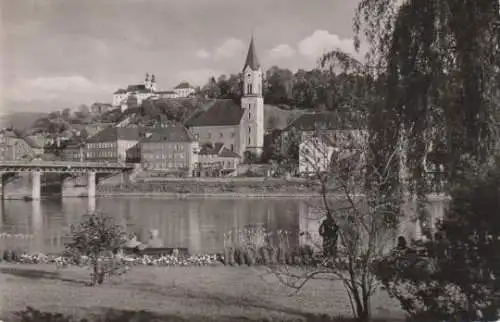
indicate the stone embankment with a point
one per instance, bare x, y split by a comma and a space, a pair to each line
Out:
230, 187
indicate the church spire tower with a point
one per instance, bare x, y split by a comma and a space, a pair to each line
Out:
252, 102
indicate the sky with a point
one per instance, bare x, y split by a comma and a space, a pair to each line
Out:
57, 54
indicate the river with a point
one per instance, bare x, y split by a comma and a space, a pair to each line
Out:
196, 224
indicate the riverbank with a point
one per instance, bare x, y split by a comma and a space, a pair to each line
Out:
217, 293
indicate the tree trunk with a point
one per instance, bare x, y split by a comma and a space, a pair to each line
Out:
95, 274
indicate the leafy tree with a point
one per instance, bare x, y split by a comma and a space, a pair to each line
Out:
440, 81
363, 234
66, 114
279, 84
457, 278
97, 237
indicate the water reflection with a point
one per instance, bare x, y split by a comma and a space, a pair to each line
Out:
199, 225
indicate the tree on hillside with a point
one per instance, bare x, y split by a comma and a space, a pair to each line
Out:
98, 238
278, 85
211, 90
66, 114
83, 114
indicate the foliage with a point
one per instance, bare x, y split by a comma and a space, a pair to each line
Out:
97, 237
315, 89
364, 233
250, 157
285, 154
32, 315
458, 277
440, 81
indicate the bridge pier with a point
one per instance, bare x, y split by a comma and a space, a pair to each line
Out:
91, 184
36, 185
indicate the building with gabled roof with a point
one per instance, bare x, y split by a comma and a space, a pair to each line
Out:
239, 127
115, 144
184, 90
170, 148
141, 92
216, 160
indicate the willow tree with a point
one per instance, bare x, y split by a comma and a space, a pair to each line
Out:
437, 67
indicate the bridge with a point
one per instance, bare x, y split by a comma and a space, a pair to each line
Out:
36, 168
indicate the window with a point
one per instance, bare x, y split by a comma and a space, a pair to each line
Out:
249, 129
232, 147
249, 115
249, 142
221, 135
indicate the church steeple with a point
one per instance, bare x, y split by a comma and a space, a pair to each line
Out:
252, 61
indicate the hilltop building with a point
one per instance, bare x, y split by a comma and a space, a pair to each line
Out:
239, 128
136, 94
183, 90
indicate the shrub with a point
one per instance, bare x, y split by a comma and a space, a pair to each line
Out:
97, 237
455, 275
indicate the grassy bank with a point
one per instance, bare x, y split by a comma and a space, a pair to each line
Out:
217, 293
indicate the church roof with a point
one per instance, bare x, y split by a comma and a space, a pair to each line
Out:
183, 85
252, 60
222, 113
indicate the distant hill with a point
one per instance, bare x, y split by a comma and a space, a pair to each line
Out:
20, 120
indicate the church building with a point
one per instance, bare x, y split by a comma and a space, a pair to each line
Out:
240, 128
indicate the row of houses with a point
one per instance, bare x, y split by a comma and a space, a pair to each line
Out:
168, 149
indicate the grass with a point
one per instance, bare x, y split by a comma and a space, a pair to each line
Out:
217, 293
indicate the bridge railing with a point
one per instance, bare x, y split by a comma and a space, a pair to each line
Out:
67, 164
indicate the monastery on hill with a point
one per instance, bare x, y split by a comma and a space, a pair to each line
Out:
239, 128
148, 90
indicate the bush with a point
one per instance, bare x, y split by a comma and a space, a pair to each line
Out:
97, 237
455, 275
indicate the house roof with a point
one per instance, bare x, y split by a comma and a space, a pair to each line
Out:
120, 91
74, 142
226, 153
112, 134
169, 133
317, 121
141, 88
221, 113
183, 85
31, 142
219, 150
165, 92
14, 133
252, 61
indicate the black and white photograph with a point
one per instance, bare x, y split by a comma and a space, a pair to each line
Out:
250, 161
